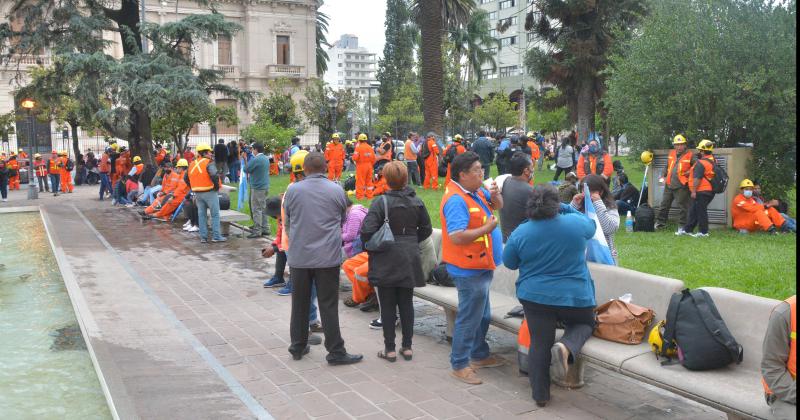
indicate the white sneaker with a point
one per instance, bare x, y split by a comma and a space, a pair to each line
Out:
186, 228
129, 205
701, 235
113, 201
5, 199
194, 229
187, 224
681, 232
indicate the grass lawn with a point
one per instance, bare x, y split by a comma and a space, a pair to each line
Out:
757, 264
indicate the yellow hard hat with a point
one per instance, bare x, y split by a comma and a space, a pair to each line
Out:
136, 159
115, 146
297, 160
647, 157
20, 150
202, 147
457, 138
335, 136
530, 134
678, 139
706, 145
62, 153
182, 163
657, 342
746, 183
37, 155
362, 137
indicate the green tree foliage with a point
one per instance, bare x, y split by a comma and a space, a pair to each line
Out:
435, 18
396, 67
274, 137
7, 122
540, 118
497, 113
279, 106
723, 70
125, 94
322, 41
404, 113
457, 92
472, 42
317, 110
579, 35
174, 126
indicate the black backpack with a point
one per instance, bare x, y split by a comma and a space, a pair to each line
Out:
224, 201
70, 164
350, 183
440, 276
442, 169
450, 155
695, 328
424, 152
644, 219
719, 183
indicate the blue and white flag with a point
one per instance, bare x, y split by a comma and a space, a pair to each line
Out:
242, 188
597, 249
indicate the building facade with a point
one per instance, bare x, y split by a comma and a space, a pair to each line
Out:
351, 66
507, 23
277, 41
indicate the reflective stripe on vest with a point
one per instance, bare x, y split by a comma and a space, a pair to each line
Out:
476, 255
199, 178
684, 166
791, 363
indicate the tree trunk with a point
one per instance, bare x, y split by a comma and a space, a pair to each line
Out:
141, 143
431, 67
585, 109
76, 147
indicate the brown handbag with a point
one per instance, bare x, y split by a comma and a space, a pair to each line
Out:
622, 322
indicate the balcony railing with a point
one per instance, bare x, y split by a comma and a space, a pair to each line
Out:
284, 70
36, 60
226, 69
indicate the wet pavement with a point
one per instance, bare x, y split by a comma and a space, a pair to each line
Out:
185, 330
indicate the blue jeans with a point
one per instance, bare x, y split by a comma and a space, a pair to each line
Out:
472, 320
55, 182
208, 200
105, 185
149, 193
233, 171
791, 224
624, 208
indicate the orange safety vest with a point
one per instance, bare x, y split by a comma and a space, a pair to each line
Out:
478, 254
791, 363
139, 168
41, 168
535, 152
684, 166
199, 178
387, 155
408, 153
705, 184
162, 153
13, 164
55, 169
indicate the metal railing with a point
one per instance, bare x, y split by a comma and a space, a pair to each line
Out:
226, 69
284, 70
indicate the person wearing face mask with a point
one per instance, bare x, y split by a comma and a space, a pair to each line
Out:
750, 216
516, 191
595, 161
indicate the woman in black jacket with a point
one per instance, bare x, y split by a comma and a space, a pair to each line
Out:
396, 271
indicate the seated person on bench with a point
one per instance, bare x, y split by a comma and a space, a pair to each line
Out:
176, 191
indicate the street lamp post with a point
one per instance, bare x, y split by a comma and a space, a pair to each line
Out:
372, 85
29, 104
332, 101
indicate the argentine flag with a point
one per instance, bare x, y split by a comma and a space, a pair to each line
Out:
597, 250
242, 188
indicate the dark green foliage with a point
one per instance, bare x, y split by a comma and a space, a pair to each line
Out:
396, 67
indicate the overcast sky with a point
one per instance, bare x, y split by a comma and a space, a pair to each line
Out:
362, 18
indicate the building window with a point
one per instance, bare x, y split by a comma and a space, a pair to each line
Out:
283, 49
340, 73
505, 4
340, 56
504, 42
492, 51
531, 36
489, 74
340, 64
224, 56
223, 128
509, 21
486, 1
493, 15
341, 82
347, 57
508, 71
493, 33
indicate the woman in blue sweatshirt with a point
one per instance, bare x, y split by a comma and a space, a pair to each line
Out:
554, 284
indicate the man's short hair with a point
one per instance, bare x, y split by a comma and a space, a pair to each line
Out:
518, 162
396, 175
221, 141
462, 163
314, 163
259, 147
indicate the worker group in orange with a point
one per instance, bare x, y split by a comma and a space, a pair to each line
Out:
364, 158
431, 163
173, 190
334, 155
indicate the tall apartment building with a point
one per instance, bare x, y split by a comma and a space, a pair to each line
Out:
277, 40
351, 66
509, 77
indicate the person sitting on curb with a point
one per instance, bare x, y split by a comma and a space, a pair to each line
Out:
750, 216
628, 196
774, 207
779, 360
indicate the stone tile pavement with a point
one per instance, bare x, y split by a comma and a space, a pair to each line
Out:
185, 330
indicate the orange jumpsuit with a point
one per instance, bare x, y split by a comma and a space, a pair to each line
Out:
177, 198
334, 154
749, 215
459, 150
432, 166
66, 176
364, 157
121, 166
274, 167
168, 185
380, 187
356, 268
13, 181
535, 152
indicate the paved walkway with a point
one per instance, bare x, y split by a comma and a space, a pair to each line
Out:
185, 330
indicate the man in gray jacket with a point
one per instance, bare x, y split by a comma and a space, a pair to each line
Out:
314, 211
778, 366
258, 171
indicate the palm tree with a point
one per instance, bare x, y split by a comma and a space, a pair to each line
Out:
322, 40
473, 40
434, 17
